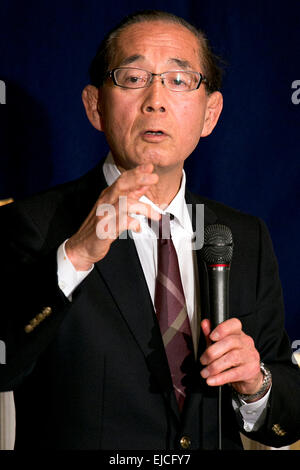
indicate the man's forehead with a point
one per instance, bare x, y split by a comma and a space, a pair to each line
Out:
178, 45
182, 63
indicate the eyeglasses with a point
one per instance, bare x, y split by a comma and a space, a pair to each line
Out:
177, 80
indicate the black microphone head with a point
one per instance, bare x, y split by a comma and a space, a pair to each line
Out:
218, 244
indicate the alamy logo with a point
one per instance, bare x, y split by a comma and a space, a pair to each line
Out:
296, 94
296, 352
111, 219
2, 92
2, 352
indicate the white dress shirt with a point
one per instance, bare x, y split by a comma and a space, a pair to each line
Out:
146, 246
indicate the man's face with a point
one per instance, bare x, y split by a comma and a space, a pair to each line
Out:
130, 116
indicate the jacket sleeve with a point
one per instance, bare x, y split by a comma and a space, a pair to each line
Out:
281, 426
32, 305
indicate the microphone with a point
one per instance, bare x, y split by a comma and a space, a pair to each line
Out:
217, 254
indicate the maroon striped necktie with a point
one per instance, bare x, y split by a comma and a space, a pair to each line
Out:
171, 309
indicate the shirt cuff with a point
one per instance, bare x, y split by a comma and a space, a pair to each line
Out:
253, 414
68, 277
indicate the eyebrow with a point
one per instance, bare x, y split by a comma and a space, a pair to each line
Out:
182, 63
131, 59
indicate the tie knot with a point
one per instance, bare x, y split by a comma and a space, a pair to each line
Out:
162, 228
164, 232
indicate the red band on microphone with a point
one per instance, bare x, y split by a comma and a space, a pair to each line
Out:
219, 265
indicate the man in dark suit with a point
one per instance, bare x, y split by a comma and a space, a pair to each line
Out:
85, 354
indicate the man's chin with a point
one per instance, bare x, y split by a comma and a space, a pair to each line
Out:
158, 157
162, 160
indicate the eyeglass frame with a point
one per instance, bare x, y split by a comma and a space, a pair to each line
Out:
111, 74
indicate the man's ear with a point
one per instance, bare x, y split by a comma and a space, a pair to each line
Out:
213, 110
90, 98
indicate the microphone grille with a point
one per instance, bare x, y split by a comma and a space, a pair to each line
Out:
218, 244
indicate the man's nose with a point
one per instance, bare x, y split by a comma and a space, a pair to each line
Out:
155, 99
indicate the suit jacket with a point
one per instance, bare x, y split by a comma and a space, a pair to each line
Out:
92, 373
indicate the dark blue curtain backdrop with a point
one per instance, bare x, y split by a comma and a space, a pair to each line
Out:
250, 162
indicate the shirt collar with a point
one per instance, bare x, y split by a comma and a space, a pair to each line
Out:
177, 206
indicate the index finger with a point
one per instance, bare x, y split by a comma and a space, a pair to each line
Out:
134, 180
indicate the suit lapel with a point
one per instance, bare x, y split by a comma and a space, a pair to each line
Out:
124, 277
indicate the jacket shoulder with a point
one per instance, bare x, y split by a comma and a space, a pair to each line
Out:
224, 213
55, 211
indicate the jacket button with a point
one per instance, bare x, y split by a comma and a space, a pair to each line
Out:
28, 328
47, 311
185, 442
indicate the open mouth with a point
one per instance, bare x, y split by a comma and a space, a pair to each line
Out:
154, 133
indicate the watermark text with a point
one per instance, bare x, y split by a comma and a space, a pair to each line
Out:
2, 352
296, 352
296, 94
113, 222
2, 92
